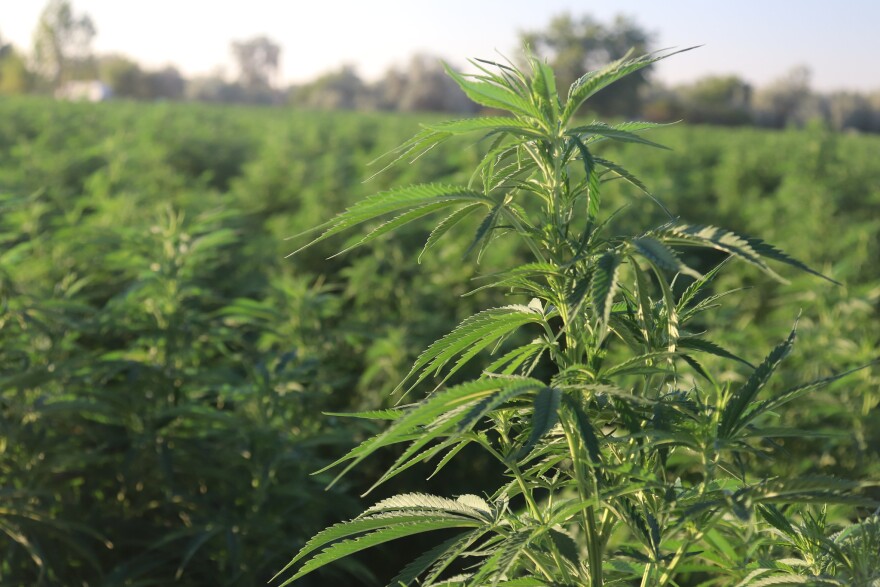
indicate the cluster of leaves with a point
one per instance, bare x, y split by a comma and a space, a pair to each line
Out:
625, 459
163, 369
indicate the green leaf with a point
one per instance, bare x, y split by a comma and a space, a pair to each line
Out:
604, 287
492, 124
590, 83
393, 224
445, 225
347, 547
592, 177
493, 95
544, 417
661, 256
769, 251
497, 566
427, 502
422, 563
634, 364
396, 200
514, 359
446, 404
590, 132
469, 338
716, 238
585, 430
707, 346
484, 229
360, 526
544, 89
732, 418
492, 402
798, 391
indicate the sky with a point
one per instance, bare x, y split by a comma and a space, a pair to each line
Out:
759, 40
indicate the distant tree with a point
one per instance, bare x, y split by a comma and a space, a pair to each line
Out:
4, 47
14, 75
717, 100
165, 84
787, 101
61, 41
342, 89
214, 88
575, 46
422, 86
257, 61
851, 111
124, 76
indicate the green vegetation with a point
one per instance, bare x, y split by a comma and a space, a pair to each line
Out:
624, 459
164, 369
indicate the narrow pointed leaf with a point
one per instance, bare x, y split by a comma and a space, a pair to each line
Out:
732, 415
544, 417
604, 287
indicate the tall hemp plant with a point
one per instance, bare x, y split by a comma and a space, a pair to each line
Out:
629, 462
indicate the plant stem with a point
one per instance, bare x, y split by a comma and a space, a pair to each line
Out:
588, 514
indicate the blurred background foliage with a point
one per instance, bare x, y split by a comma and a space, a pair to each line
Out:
164, 369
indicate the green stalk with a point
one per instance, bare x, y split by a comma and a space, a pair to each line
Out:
588, 514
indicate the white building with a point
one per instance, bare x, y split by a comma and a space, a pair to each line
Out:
88, 91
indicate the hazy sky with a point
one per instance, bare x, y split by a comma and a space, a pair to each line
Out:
759, 40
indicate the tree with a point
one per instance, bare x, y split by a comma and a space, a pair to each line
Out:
61, 39
342, 89
788, 100
717, 100
422, 86
123, 75
164, 84
573, 46
5, 48
257, 61
14, 76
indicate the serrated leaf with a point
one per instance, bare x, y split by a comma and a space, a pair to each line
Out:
544, 417
492, 402
422, 563
585, 430
493, 95
707, 346
602, 130
497, 566
388, 202
769, 251
627, 365
445, 225
592, 177
393, 224
796, 392
483, 230
469, 338
358, 526
587, 85
732, 415
716, 238
427, 502
604, 287
445, 406
662, 256
347, 547
488, 123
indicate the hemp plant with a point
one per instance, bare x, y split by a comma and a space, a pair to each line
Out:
626, 460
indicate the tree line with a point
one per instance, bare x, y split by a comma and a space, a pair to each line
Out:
62, 54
